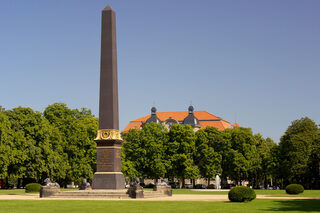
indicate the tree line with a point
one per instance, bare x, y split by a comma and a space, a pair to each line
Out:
59, 144
236, 154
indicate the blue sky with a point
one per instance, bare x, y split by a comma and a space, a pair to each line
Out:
256, 62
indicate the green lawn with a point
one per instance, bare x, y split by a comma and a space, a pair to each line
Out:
148, 206
282, 193
12, 191
21, 191
272, 193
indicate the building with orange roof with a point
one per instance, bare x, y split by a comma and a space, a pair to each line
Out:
197, 119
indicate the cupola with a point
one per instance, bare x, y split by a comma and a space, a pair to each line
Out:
191, 119
153, 118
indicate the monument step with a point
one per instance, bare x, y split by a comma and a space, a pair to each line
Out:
94, 193
116, 194
151, 194
108, 194
89, 194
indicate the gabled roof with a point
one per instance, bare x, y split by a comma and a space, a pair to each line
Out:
236, 124
205, 118
136, 125
180, 116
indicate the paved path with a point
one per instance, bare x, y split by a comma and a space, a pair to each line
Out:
175, 197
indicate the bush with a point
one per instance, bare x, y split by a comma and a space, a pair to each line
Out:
294, 189
33, 187
241, 194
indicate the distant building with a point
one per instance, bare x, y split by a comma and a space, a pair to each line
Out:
197, 119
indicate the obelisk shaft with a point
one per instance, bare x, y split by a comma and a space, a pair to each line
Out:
108, 106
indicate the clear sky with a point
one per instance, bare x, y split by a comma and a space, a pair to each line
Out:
256, 62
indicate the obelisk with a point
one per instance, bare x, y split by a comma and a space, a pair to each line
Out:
108, 175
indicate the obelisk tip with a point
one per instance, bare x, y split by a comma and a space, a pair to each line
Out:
108, 7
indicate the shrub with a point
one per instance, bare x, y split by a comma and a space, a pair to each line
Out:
241, 194
294, 189
33, 187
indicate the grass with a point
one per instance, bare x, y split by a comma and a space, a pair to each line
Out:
22, 191
282, 193
12, 191
258, 205
271, 193
154, 206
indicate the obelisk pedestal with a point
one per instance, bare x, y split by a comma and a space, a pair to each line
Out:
108, 175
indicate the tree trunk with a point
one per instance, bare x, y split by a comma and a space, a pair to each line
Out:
7, 182
19, 183
208, 181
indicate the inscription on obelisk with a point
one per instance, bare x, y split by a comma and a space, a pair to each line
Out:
108, 175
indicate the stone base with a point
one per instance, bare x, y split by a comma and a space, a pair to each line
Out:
85, 188
166, 190
108, 181
135, 192
107, 194
48, 191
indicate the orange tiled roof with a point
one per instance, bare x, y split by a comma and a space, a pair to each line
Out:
132, 126
236, 124
205, 118
180, 116
220, 125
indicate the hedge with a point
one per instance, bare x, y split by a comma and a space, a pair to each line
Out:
33, 187
294, 189
241, 194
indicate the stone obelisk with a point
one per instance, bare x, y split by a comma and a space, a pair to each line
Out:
108, 175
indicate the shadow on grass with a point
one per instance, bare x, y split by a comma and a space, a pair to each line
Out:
295, 205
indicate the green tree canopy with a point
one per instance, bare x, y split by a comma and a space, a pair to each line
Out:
6, 144
242, 159
207, 159
180, 152
37, 147
297, 147
266, 170
144, 151
78, 128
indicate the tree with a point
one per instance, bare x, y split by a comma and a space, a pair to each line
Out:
37, 146
6, 144
180, 152
243, 161
77, 128
297, 148
314, 166
207, 159
153, 136
131, 154
266, 170
144, 151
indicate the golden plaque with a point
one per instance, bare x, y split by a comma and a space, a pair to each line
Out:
108, 134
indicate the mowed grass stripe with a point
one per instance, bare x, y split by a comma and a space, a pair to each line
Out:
272, 193
55, 206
